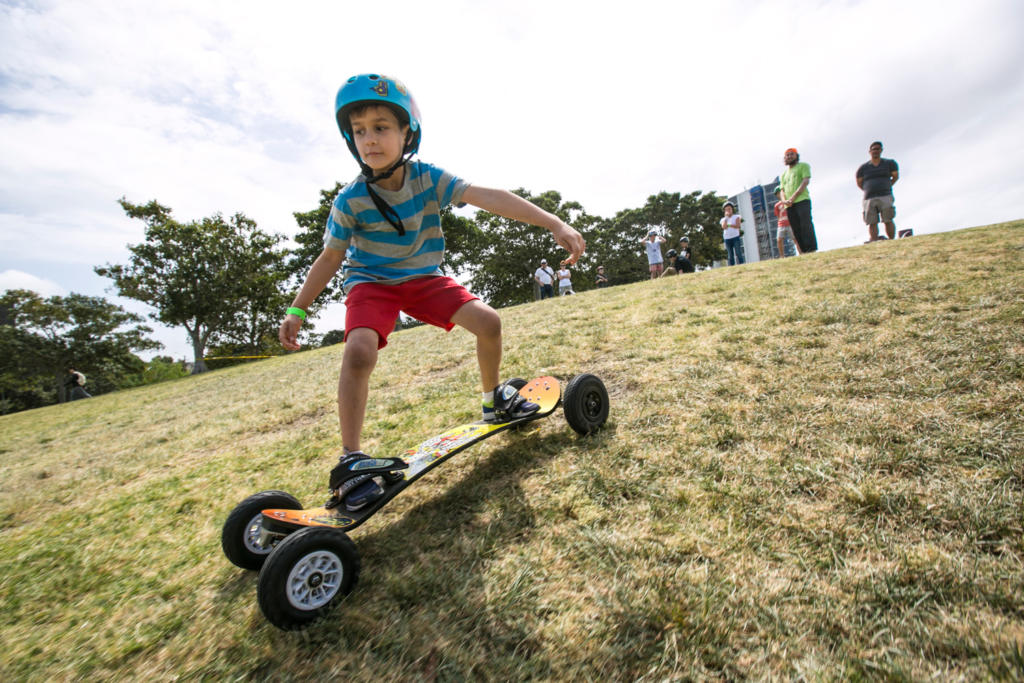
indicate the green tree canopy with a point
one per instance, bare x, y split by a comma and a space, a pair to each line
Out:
310, 240
217, 278
40, 338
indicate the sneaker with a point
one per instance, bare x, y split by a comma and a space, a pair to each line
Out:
361, 494
509, 405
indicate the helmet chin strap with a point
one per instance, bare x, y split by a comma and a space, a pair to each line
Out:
390, 215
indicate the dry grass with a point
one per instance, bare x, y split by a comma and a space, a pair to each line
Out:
813, 470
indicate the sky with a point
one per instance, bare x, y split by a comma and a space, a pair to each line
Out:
210, 106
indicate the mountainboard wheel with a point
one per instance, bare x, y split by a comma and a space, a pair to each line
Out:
240, 537
585, 403
305, 574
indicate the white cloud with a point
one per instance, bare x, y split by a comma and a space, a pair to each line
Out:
15, 279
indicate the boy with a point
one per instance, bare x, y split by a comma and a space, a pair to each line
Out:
384, 230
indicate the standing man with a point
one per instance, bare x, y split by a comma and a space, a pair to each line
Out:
876, 177
797, 200
545, 277
654, 258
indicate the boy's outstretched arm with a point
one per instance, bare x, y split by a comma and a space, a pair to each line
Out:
323, 269
504, 203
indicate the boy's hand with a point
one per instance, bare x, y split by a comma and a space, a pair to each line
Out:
569, 239
288, 333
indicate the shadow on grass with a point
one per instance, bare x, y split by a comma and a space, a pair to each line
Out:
434, 563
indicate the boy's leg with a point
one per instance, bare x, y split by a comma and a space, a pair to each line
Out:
484, 323
354, 384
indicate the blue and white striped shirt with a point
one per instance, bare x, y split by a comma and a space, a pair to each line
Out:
374, 251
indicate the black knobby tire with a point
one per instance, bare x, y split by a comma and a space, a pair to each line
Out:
305, 575
240, 536
585, 403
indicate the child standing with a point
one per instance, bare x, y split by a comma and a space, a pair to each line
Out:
684, 261
564, 280
731, 233
655, 260
784, 228
384, 231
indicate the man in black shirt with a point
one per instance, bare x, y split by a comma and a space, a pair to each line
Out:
876, 177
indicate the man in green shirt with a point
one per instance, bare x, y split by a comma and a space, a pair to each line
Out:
797, 200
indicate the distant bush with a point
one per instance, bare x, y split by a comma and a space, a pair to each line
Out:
333, 337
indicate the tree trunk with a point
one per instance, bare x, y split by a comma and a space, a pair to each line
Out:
198, 351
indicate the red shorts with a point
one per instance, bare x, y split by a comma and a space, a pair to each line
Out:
433, 300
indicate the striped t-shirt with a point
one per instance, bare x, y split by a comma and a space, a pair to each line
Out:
374, 251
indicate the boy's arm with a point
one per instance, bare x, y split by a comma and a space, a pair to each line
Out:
504, 203
323, 269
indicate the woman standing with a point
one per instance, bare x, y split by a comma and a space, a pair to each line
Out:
731, 233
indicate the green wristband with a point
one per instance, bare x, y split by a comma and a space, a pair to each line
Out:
293, 310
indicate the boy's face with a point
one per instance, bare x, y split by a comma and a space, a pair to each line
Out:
379, 137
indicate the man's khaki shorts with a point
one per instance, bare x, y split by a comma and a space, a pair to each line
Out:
879, 207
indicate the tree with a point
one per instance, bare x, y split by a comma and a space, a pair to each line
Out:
333, 337
214, 277
261, 303
310, 239
41, 338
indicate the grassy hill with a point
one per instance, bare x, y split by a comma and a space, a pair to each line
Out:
813, 469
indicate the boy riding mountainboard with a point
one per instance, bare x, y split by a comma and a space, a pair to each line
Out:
384, 233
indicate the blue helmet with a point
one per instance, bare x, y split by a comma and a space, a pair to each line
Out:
377, 89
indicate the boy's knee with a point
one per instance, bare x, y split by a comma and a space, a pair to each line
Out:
490, 324
360, 352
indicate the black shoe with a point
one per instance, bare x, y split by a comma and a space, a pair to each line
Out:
510, 405
361, 493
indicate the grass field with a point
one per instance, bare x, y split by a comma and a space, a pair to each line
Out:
813, 470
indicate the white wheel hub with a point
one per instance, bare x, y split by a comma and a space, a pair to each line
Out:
314, 580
